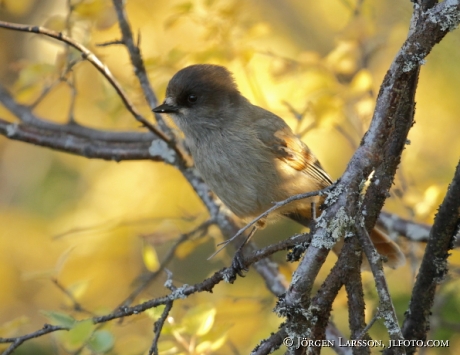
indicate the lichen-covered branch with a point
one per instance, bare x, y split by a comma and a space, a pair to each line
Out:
416, 232
386, 307
431, 26
96, 62
434, 265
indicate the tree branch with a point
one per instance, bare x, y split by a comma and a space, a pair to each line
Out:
434, 265
356, 304
16, 342
102, 68
182, 292
97, 150
386, 307
201, 230
433, 25
416, 232
137, 62
74, 138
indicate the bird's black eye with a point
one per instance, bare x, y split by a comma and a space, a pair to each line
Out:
192, 98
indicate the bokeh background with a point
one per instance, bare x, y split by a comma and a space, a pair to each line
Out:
90, 228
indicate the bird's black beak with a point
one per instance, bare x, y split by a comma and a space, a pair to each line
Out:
165, 108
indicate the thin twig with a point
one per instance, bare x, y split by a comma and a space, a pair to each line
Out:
387, 309
48, 88
374, 319
101, 67
17, 341
434, 264
270, 344
136, 59
110, 43
201, 229
416, 232
158, 325
76, 305
276, 206
356, 304
321, 304
205, 286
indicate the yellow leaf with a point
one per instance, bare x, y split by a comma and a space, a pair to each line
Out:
365, 106
199, 320
362, 81
203, 348
430, 201
90, 8
184, 7
34, 73
432, 193
16, 7
213, 344
344, 58
10, 328
150, 257
77, 290
155, 313
56, 23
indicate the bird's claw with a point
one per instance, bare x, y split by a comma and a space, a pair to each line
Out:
239, 263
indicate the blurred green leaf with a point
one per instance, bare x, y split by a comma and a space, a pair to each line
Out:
80, 333
58, 318
101, 341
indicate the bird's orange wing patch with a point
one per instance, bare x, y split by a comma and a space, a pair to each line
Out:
296, 154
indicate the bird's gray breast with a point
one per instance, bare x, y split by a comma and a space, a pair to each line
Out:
235, 167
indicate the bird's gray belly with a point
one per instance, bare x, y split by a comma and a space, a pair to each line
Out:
237, 181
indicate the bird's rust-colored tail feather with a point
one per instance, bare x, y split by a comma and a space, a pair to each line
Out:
387, 248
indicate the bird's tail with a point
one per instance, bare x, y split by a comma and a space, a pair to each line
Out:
387, 248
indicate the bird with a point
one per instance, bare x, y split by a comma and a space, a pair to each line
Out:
246, 154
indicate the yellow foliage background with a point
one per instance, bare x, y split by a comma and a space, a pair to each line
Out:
95, 226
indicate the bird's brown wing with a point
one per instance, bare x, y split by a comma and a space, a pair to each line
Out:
287, 147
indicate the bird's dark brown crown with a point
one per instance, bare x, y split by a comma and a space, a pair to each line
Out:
210, 84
